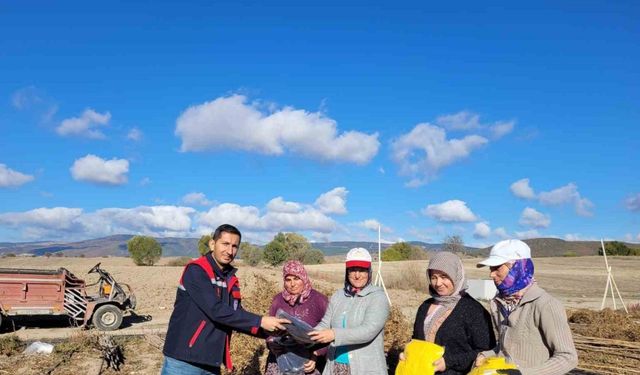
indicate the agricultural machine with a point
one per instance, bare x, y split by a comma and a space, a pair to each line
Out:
59, 292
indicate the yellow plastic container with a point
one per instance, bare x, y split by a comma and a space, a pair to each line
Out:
419, 356
492, 365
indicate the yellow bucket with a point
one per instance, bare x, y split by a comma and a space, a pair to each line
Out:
491, 365
419, 356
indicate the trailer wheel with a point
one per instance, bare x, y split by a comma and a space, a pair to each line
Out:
107, 318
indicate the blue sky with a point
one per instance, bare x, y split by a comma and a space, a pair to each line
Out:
487, 120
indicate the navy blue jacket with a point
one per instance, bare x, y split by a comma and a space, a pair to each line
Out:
205, 312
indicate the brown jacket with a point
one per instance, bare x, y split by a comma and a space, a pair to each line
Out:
537, 337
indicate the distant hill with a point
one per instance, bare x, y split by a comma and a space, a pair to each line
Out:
117, 246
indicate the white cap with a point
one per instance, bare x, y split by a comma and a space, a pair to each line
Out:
358, 257
506, 250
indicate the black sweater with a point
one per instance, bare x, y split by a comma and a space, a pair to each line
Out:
466, 332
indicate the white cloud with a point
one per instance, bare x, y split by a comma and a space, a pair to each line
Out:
528, 234
278, 204
96, 170
73, 223
250, 218
633, 203
521, 189
54, 219
135, 134
145, 181
86, 125
196, 198
463, 120
502, 233
12, 178
450, 211
500, 129
425, 150
533, 218
333, 201
567, 194
563, 195
206, 127
482, 230
373, 225
469, 121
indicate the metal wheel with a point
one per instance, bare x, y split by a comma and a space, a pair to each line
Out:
107, 318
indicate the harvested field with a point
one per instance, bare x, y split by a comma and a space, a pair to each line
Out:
605, 341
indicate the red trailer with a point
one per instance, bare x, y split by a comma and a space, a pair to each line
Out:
59, 292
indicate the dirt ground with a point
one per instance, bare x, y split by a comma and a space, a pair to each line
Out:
578, 282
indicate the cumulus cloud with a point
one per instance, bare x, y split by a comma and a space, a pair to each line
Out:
333, 201
99, 171
450, 211
482, 230
425, 150
135, 134
308, 218
521, 189
87, 125
533, 218
373, 225
12, 178
206, 126
632, 203
567, 194
278, 204
196, 198
563, 195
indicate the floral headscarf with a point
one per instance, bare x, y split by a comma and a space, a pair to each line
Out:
519, 277
296, 268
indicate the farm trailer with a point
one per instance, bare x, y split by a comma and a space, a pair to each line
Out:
59, 292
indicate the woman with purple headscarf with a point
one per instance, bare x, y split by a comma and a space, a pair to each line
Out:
300, 300
532, 325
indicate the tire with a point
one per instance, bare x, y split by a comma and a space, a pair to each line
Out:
107, 318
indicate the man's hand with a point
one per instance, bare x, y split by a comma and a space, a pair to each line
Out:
480, 360
273, 324
439, 365
323, 336
402, 357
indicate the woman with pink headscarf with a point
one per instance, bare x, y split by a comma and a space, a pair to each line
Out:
299, 299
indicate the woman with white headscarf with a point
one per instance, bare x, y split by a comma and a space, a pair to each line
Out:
451, 318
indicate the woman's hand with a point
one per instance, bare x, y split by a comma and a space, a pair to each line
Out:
439, 365
310, 365
323, 336
480, 360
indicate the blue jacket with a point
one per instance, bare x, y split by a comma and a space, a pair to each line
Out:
206, 310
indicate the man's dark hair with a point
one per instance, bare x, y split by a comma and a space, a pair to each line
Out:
225, 228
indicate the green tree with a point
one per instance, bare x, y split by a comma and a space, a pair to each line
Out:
391, 254
313, 256
619, 248
275, 252
203, 244
145, 251
287, 246
250, 254
402, 251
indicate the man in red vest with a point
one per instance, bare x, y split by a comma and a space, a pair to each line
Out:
207, 309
